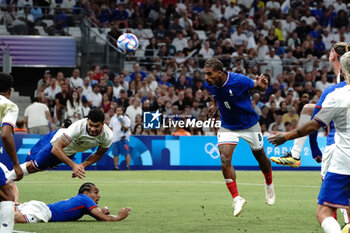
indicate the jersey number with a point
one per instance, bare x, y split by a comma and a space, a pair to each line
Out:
227, 105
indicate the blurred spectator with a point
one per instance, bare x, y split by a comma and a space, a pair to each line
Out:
86, 86
206, 52
60, 21
137, 70
36, 12
44, 82
95, 97
277, 125
290, 116
20, 128
75, 81
138, 130
85, 109
116, 87
50, 93
179, 42
120, 16
133, 110
323, 83
61, 103
74, 106
37, 118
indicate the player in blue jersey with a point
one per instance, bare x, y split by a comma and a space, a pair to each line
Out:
8, 118
71, 209
293, 157
238, 120
61, 146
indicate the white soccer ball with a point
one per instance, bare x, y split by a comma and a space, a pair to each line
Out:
127, 43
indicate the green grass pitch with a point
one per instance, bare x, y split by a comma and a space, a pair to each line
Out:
182, 201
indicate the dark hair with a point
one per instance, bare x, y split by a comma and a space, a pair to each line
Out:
119, 106
340, 48
96, 115
215, 64
6, 81
85, 187
20, 124
66, 123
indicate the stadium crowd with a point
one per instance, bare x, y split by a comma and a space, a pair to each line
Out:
250, 37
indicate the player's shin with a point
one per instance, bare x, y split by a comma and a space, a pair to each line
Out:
232, 187
330, 225
7, 216
299, 142
12, 175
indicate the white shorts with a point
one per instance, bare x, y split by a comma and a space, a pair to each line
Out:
326, 159
35, 211
252, 136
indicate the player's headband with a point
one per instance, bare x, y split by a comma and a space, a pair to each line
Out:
335, 52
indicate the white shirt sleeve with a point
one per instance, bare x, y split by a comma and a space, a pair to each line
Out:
74, 129
328, 111
10, 115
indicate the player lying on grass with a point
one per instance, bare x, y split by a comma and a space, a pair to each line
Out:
61, 146
335, 189
70, 209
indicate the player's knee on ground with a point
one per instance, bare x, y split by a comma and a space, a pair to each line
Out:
308, 109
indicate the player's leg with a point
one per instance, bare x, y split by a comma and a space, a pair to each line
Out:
254, 138
226, 151
115, 152
7, 205
126, 153
24, 166
334, 193
324, 215
227, 141
292, 158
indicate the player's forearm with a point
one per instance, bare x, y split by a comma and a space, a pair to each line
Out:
111, 218
304, 130
91, 160
61, 155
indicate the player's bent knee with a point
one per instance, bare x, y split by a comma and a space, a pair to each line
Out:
225, 160
308, 109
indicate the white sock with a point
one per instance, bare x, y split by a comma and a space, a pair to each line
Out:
7, 216
299, 142
12, 175
345, 215
330, 225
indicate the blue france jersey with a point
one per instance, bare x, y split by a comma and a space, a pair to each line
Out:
71, 209
328, 90
233, 98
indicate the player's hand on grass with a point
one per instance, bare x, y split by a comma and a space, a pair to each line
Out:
212, 110
124, 212
18, 171
277, 139
78, 171
105, 210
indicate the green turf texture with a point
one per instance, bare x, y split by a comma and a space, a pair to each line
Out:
182, 201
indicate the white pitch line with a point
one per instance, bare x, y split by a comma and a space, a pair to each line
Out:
172, 182
23, 231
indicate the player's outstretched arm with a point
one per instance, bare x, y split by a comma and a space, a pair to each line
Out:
106, 217
302, 131
95, 157
57, 150
261, 83
9, 144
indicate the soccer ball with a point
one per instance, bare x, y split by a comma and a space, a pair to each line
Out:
127, 43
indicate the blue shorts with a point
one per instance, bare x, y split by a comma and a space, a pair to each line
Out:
44, 159
335, 191
3, 179
120, 147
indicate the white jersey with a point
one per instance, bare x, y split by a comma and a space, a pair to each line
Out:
118, 131
336, 107
80, 140
8, 112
